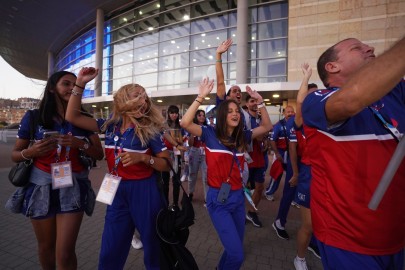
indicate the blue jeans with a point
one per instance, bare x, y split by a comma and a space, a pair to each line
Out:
197, 161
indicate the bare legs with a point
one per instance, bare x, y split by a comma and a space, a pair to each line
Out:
56, 237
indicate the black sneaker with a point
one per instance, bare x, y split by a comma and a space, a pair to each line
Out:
252, 217
314, 249
280, 232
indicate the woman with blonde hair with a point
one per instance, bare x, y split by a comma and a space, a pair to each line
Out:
134, 149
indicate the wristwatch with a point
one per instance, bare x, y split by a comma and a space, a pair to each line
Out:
151, 161
84, 147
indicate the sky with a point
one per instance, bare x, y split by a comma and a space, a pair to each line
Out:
14, 85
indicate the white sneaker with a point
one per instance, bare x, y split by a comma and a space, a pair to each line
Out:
183, 178
270, 197
136, 243
300, 264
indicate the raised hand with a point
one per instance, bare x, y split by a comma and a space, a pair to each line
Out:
205, 87
224, 46
254, 94
86, 74
306, 70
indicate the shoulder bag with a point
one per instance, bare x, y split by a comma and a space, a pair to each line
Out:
20, 173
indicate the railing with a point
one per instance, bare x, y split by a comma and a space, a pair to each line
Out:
7, 135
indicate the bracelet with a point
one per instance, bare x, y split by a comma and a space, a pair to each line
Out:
22, 154
219, 61
76, 93
260, 105
198, 101
81, 87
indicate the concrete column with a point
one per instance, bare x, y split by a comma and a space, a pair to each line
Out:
99, 52
51, 64
242, 42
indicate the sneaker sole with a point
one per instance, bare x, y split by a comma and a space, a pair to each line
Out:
279, 236
313, 251
251, 220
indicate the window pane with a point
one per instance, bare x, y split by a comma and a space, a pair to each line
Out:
122, 46
146, 66
198, 73
176, 15
271, 67
207, 7
123, 19
173, 77
122, 71
273, 11
207, 24
146, 53
170, 4
122, 33
147, 24
174, 46
118, 83
148, 10
272, 48
123, 58
273, 29
207, 40
172, 32
146, 39
202, 57
174, 61
272, 79
146, 80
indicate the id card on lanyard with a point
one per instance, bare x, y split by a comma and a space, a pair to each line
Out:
110, 183
62, 171
61, 175
108, 188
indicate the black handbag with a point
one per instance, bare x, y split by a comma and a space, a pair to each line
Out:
20, 173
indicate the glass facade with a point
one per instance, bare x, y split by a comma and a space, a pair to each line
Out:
171, 44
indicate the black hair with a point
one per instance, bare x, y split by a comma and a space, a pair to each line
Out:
48, 106
195, 120
170, 122
312, 85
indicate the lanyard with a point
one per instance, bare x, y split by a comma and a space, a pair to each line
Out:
238, 163
60, 147
376, 111
117, 151
393, 130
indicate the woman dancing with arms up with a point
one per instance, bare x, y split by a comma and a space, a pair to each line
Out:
224, 150
133, 150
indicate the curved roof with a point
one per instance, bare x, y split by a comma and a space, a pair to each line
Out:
29, 29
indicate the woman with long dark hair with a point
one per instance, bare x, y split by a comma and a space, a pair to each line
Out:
59, 191
197, 156
224, 150
174, 130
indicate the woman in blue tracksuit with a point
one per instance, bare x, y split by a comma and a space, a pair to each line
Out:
133, 149
225, 146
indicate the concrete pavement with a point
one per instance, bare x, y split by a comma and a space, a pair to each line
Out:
263, 249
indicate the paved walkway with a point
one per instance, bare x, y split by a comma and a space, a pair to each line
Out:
263, 249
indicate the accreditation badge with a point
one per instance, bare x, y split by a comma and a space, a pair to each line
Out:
108, 188
202, 151
176, 151
61, 175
